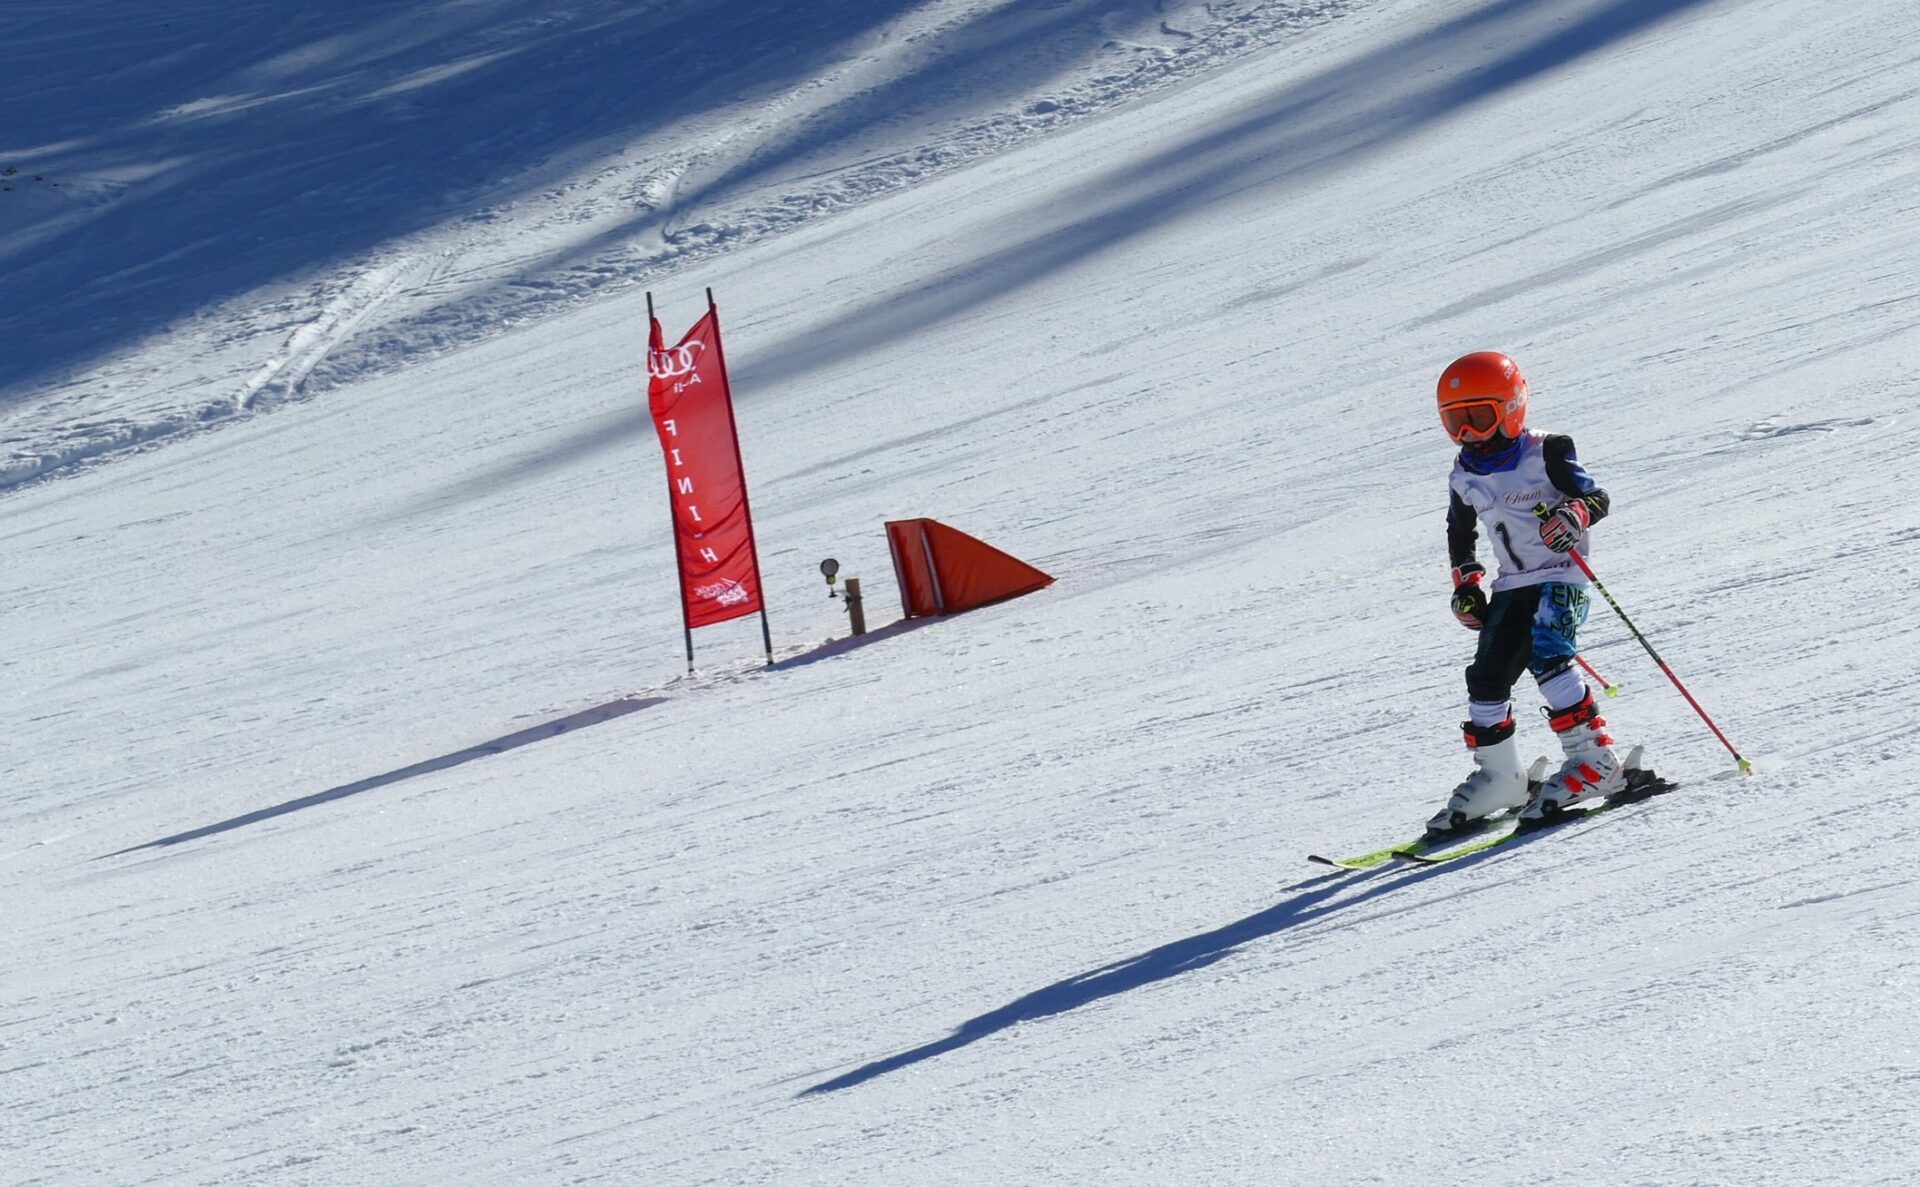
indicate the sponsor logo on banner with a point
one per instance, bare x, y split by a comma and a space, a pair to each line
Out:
727, 593
675, 361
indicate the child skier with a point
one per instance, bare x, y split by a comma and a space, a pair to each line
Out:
1537, 503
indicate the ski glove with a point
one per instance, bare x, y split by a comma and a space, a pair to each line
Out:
1561, 528
1469, 603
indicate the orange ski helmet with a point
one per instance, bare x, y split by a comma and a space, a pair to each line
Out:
1482, 394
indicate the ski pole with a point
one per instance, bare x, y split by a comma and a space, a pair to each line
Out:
1612, 689
1746, 768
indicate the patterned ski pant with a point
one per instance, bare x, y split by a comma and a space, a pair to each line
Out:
1532, 628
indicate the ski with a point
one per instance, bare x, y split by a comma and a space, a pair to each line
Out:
1427, 842
1359, 861
1420, 844
1641, 786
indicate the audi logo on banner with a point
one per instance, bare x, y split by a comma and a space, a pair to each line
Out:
674, 361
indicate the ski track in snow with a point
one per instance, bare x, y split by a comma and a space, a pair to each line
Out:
358, 826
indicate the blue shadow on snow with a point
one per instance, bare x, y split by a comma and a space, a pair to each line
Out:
1168, 960
1303, 130
167, 157
539, 733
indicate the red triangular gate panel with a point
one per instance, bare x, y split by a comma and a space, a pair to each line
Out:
943, 570
913, 568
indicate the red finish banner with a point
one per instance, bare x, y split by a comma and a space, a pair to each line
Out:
713, 527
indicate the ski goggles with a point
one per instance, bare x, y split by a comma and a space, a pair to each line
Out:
1475, 421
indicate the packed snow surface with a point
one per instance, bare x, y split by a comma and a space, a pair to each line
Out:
359, 822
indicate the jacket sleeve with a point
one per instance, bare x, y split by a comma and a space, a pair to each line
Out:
1463, 531
1571, 479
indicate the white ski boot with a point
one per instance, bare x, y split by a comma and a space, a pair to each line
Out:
1591, 772
1498, 782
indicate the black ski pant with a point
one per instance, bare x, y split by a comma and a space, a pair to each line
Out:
1534, 628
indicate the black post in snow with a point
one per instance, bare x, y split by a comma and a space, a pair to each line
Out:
740, 467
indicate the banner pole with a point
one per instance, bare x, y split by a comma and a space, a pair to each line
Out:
740, 466
673, 514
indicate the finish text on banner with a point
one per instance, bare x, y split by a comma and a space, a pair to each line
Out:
693, 412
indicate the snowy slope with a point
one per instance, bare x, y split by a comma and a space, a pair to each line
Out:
216, 209
360, 828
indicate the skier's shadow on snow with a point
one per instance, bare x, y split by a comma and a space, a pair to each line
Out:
539, 733
1168, 960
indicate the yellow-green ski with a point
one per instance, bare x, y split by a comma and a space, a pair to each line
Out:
1642, 785
1422, 844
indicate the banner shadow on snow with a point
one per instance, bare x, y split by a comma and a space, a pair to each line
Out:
539, 733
